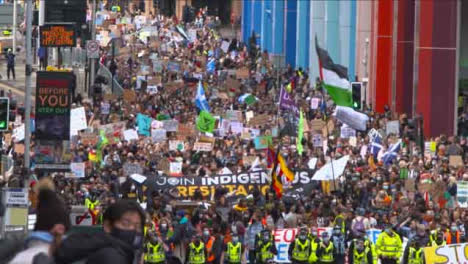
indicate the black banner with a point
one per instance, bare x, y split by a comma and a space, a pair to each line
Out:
241, 183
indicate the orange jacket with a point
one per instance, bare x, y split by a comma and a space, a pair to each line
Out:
209, 249
448, 238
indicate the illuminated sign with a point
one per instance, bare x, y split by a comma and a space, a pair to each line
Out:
58, 36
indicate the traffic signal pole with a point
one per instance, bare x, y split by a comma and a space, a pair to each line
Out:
27, 104
92, 69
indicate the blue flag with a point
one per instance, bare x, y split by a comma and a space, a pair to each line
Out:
391, 153
376, 145
200, 99
211, 65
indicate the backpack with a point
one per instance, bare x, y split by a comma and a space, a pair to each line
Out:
359, 225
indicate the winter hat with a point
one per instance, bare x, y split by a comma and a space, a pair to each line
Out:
51, 210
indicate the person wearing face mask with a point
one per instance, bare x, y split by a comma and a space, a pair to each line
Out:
326, 250
315, 242
209, 241
154, 250
389, 246
361, 254
360, 234
196, 251
414, 251
120, 243
265, 248
339, 243
233, 252
300, 250
452, 236
437, 238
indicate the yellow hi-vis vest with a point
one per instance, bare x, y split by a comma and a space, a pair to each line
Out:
327, 255
91, 205
155, 253
360, 258
196, 254
415, 256
234, 252
389, 246
265, 253
301, 250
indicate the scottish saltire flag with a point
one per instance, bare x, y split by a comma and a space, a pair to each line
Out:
200, 98
376, 145
211, 65
391, 153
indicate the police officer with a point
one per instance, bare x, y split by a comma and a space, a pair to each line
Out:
437, 238
92, 201
300, 249
360, 234
196, 252
233, 251
315, 242
361, 254
414, 251
326, 251
339, 243
265, 248
154, 250
388, 246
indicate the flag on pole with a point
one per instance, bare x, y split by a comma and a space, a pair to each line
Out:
376, 145
200, 99
211, 65
247, 99
391, 153
300, 134
270, 157
334, 78
283, 168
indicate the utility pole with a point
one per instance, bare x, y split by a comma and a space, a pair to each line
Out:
41, 17
15, 24
92, 67
28, 88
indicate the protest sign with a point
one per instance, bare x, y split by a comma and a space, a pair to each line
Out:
225, 46
331, 170
462, 194
393, 127
287, 101
173, 66
314, 103
130, 134
185, 130
129, 96
175, 168
89, 139
347, 132
158, 135
132, 168
231, 84
262, 142
18, 134
176, 145
144, 124
236, 127
105, 108
77, 169
454, 253
317, 124
170, 125
203, 146
455, 161
248, 160
259, 120
113, 131
234, 115
317, 140
242, 73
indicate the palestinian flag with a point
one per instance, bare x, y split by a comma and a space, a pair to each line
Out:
334, 78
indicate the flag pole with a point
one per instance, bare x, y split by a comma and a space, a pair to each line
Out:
328, 136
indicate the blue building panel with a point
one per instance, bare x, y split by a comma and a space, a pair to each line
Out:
246, 20
303, 34
278, 27
290, 33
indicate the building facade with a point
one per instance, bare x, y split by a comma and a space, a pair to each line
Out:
410, 54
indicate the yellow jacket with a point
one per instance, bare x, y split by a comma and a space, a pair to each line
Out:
389, 246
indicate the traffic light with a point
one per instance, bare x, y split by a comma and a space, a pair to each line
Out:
356, 93
4, 112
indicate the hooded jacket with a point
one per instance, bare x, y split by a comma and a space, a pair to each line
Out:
94, 248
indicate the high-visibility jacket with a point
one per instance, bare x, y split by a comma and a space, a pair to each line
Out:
209, 249
315, 242
415, 256
234, 252
90, 204
327, 253
434, 243
388, 246
340, 218
155, 253
369, 245
265, 253
196, 254
360, 258
301, 251
452, 239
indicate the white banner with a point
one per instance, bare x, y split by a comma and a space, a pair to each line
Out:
455, 253
462, 194
77, 120
329, 173
352, 118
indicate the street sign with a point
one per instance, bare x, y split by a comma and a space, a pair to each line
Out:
58, 35
92, 49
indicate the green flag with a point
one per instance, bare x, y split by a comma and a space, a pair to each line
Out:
206, 122
300, 134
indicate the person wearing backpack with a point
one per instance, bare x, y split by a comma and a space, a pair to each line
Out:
360, 221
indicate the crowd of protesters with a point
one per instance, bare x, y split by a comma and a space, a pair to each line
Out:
368, 195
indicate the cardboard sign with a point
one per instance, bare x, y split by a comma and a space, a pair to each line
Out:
317, 125
314, 103
132, 168
130, 134
78, 169
347, 132
175, 168
455, 161
185, 130
158, 135
259, 120
393, 127
129, 96
248, 160
203, 146
176, 145
234, 115
462, 194
242, 73
170, 125
89, 139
